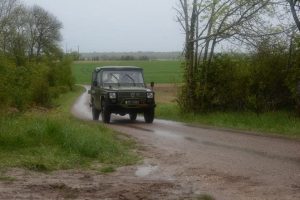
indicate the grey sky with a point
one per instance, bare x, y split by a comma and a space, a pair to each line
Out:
116, 25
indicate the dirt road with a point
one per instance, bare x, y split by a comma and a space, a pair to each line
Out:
181, 162
227, 165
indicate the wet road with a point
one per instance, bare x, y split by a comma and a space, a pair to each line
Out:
228, 165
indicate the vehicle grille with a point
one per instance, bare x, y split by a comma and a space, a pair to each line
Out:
132, 94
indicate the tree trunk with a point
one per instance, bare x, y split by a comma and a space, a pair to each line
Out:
211, 53
294, 13
207, 44
289, 65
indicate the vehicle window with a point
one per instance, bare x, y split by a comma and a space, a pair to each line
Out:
110, 77
123, 78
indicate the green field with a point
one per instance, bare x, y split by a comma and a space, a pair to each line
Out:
157, 71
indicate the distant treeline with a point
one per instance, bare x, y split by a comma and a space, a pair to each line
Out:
33, 68
128, 56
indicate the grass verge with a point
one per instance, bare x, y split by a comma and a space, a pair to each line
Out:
205, 197
51, 140
275, 123
7, 179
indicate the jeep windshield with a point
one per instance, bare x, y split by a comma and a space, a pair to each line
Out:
122, 78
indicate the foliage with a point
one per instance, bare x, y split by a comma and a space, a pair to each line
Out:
269, 73
265, 80
293, 79
227, 83
206, 23
5, 71
33, 69
34, 83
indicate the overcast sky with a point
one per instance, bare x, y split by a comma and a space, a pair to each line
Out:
116, 25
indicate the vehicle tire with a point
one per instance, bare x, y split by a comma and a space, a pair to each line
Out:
95, 113
105, 114
133, 116
149, 115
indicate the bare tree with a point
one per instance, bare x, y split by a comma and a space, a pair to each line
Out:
206, 23
6, 20
44, 30
27, 32
295, 7
189, 23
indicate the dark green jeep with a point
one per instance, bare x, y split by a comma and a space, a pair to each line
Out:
121, 90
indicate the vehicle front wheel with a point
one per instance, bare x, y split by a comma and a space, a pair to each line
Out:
133, 116
149, 115
95, 113
105, 114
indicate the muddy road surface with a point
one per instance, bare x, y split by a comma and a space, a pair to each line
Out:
181, 162
227, 165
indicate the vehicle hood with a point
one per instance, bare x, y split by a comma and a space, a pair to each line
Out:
125, 89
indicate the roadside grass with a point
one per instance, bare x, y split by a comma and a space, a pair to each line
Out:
274, 123
157, 71
7, 179
53, 139
107, 169
205, 197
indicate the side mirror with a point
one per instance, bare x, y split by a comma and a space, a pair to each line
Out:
152, 85
95, 83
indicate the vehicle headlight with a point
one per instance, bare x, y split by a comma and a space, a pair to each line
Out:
150, 95
112, 95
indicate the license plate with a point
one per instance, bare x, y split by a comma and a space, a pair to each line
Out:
132, 102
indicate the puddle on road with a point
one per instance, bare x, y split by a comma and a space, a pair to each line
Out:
168, 122
167, 134
143, 171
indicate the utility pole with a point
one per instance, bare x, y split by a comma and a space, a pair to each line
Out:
78, 52
66, 48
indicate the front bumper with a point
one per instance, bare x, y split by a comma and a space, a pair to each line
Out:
126, 106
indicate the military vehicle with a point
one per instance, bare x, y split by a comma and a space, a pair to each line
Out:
121, 90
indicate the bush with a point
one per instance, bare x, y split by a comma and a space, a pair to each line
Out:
39, 87
269, 72
60, 74
5, 71
227, 82
34, 83
260, 82
293, 79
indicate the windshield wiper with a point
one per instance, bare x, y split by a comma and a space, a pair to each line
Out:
115, 78
130, 78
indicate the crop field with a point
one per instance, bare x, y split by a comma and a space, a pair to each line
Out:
157, 71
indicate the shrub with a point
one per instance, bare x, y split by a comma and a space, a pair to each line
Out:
269, 72
28, 85
227, 83
5, 68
